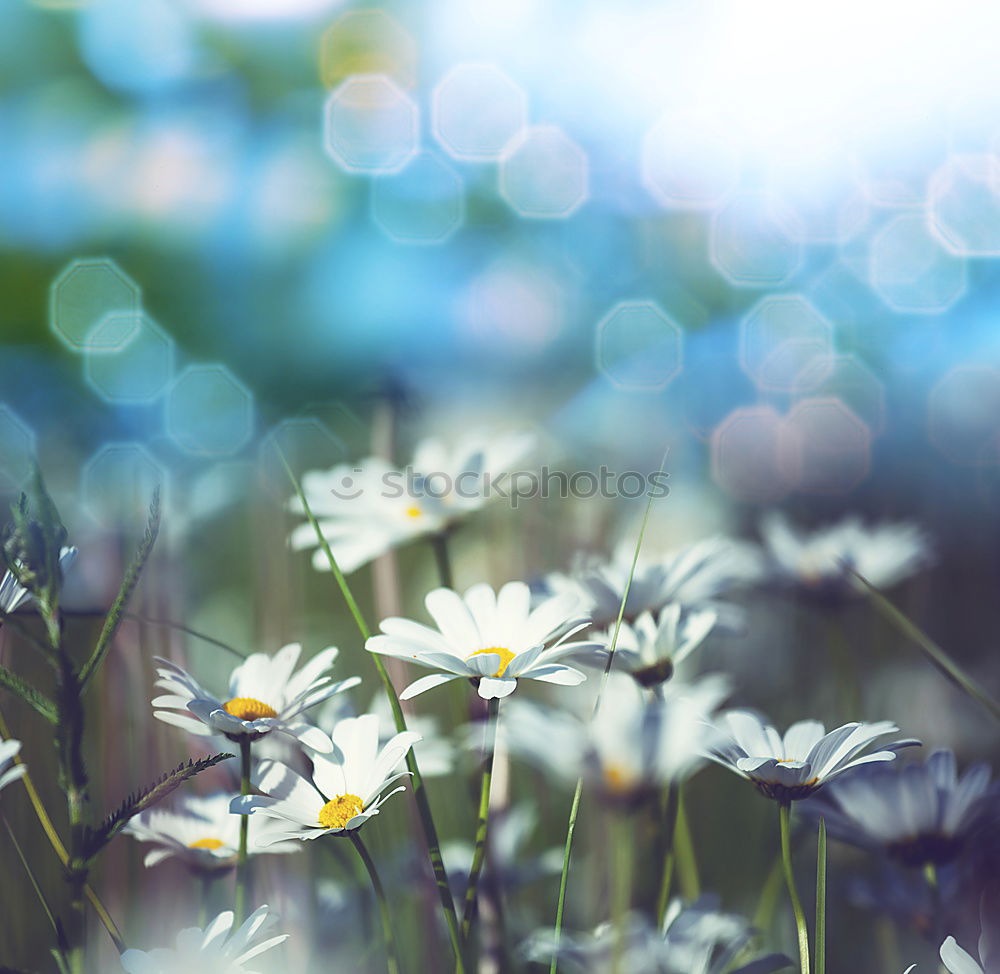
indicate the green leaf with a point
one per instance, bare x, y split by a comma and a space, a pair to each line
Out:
129, 582
37, 699
145, 798
931, 650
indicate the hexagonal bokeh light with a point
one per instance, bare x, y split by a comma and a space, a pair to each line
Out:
825, 448
367, 42
17, 450
746, 452
305, 443
476, 110
85, 292
117, 484
964, 206
423, 204
749, 244
687, 163
847, 379
129, 359
964, 415
370, 125
209, 412
779, 337
911, 271
544, 174
638, 346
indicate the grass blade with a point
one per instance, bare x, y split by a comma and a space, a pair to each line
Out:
821, 899
938, 657
31, 696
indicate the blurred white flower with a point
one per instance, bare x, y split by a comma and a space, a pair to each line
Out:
693, 575
365, 509
923, 813
495, 638
200, 831
884, 554
634, 744
13, 594
264, 696
959, 961
10, 772
651, 650
792, 767
216, 949
348, 783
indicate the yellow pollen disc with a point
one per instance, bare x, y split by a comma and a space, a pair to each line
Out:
413, 512
247, 708
207, 844
505, 656
616, 779
335, 814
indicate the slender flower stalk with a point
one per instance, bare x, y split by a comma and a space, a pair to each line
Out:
442, 558
802, 930
417, 781
242, 862
574, 810
482, 823
668, 831
392, 955
821, 899
621, 892
687, 860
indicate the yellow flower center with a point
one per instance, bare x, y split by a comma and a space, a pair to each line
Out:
207, 844
247, 708
617, 779
413, 512
502, 651
337, 812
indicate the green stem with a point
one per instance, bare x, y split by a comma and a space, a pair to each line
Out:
243, 859
574, 811
669, 828
439, 542
392, 957
416, 779
821, 899
621, 893
793, 893
687, 861
482, 823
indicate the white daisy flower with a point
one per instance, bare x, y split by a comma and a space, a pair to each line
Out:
264, 696
634, 744
884, 554
792, 767
13, 594
366, 509
216, 949
347, 788
651, 650
492, 638
959, 961
692, 575
200, 831
435, 752
921, 814
10, 772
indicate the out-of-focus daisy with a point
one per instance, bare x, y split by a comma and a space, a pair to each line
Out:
792, 767
693, 575
366, 509
959, 961
814, 563
698, 939
200, 832
348, 784
651, 650
921, 814
264, 696
13, 594
10, 772
435, 753
216, 949
492, 638
633, 745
